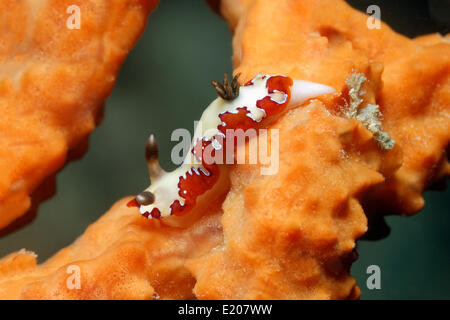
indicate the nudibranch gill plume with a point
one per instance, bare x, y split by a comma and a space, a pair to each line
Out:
237, 107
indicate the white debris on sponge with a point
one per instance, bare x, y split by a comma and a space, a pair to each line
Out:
369, 115
27, 252
370, 118
354, 82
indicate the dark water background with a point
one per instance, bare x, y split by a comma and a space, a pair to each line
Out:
165, 84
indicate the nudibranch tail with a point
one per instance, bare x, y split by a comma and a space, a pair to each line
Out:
237, 107
302, 91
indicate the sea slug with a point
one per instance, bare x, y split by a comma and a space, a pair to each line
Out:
249, 106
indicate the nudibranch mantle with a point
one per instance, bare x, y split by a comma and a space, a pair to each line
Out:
175, 193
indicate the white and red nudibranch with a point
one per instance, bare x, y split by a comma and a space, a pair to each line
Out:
237, 107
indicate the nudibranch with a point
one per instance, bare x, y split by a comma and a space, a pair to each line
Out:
237, 107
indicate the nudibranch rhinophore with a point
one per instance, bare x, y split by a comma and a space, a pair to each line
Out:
237, 107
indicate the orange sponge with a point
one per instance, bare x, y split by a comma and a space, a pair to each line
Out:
53, 82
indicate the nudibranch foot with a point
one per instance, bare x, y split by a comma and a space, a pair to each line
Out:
236, 108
